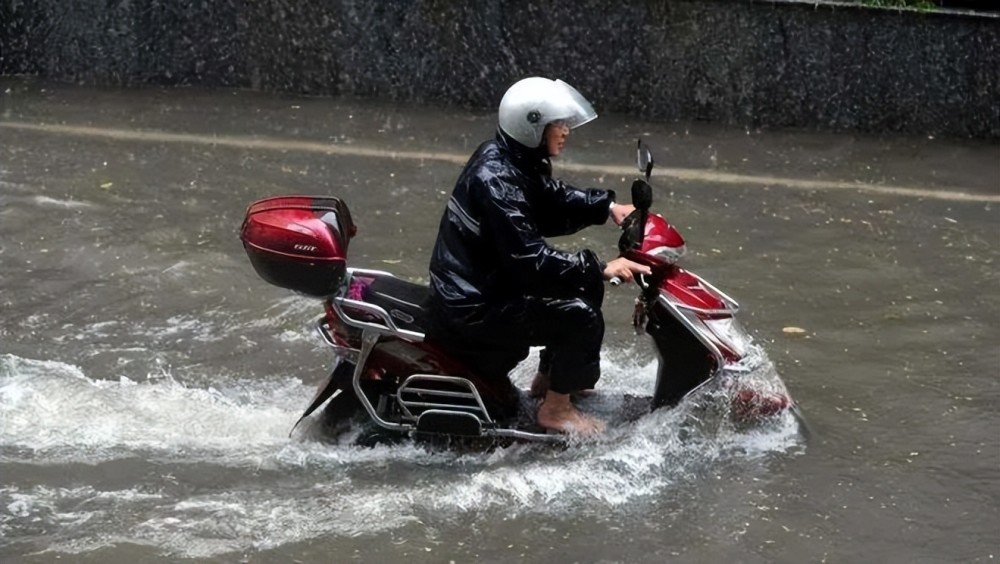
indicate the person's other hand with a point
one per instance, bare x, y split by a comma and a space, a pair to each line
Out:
624, 269
620, 211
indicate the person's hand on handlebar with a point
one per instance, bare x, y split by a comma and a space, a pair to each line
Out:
623, 270
619, 212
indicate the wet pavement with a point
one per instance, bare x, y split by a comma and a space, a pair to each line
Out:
148, 378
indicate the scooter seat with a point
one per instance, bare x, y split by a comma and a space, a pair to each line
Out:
404, 301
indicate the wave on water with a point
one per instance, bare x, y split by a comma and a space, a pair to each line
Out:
47, 201
278, 490
56, 414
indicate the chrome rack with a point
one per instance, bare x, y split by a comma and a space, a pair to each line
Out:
389, 327
323, 328
368, 339
428, 398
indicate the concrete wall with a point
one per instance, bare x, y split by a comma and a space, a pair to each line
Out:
738, 62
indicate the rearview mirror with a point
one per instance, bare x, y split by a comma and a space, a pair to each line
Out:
642, 195
644, 159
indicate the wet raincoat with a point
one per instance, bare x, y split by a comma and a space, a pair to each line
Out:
497, 287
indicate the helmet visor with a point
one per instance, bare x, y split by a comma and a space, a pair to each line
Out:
577, 109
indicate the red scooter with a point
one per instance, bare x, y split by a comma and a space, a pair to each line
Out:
386, 371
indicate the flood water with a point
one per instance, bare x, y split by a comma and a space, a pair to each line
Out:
149, 379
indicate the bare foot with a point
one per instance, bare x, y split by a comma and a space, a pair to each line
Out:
557, 413
539, 385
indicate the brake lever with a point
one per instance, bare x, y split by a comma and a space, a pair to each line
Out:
640, 279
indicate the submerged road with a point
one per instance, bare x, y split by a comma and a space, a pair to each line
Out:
685, 174
148, 378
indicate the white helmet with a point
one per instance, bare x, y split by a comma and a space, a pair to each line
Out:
532, 103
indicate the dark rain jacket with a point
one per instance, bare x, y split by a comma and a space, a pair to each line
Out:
490, 247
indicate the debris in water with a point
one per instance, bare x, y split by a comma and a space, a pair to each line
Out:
793, 330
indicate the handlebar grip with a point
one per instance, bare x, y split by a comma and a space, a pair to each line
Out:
615, 281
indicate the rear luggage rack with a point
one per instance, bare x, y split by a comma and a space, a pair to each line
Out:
387, 326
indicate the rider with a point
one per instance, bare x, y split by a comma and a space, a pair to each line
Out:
497, 287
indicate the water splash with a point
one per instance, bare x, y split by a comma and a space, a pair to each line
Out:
278, 491
56, 414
